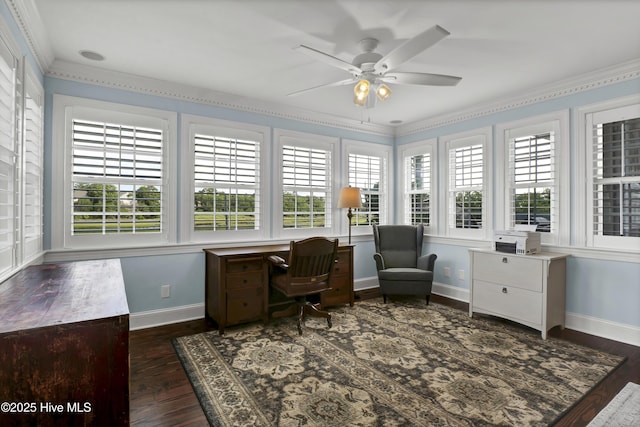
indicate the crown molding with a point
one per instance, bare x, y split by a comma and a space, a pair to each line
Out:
27, 17
149, 86
616, 74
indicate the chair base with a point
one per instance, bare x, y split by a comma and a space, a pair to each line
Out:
302, 307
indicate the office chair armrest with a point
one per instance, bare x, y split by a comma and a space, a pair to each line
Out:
379, 261
427, 262
278, 261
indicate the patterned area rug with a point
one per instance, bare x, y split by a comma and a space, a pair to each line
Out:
395, 364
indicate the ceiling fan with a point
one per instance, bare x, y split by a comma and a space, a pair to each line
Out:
371, 70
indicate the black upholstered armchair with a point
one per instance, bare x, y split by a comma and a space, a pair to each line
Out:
402, 269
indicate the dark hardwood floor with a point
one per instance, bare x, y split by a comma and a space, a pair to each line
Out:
161, 394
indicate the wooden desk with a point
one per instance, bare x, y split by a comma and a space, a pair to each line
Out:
237, 283
64, 345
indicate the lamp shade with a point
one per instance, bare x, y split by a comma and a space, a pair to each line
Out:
350, 198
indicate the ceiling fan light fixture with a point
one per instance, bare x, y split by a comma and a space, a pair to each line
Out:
383, 92
361, 89
360, 99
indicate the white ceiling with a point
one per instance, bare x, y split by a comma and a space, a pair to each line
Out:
245, 47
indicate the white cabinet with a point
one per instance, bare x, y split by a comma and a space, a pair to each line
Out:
528, 289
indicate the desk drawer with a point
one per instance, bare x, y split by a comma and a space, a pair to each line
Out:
508, 301
244, 264
343, 263
522, 272
251, 279
245, 305
340, 292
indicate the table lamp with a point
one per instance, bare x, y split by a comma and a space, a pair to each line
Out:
350, 198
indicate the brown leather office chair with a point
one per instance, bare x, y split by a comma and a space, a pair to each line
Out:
306, 273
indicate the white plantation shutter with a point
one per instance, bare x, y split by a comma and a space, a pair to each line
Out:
306, 181
226, 183
466, 186
32, 170
418, 189
365, 172
532, 181
117, 177
615, 136
9, 196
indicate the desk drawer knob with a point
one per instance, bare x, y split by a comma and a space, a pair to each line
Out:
504, 290
505, 260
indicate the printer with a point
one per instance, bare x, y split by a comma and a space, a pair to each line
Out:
522, 240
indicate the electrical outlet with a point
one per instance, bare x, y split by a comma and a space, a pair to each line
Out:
447, 272
461, 274
165, 291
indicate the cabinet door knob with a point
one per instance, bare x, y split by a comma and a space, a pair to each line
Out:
504, 290
505, 260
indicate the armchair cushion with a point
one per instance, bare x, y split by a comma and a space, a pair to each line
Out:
405, 274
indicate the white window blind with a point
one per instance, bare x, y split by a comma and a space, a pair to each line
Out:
32, 170
616, 176
418, 189
9, 195
466, 180
226, 183
532, 180
365, 172
117, 178
306, 181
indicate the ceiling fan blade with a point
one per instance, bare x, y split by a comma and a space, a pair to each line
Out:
329, 59
425, 79
340, 83
410, 48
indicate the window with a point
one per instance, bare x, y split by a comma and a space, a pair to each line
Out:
532, 173
306, 182
32, 159
225, 193
466, 180
9, 150
614, 139
418, 165
367, 167
119, 163
468, 204
21, 161
116, 178
536, 172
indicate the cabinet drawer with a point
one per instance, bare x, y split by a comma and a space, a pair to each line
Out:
244, 305
522, 272
244, 280
508, 301
340, 292
244, 264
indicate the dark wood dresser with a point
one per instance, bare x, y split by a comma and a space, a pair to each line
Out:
237, 283
64, 346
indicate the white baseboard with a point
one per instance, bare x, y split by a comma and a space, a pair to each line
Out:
453, 292
165, 316
603, 328
589, 325
366, 283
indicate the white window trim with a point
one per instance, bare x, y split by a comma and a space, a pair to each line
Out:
66, 107
192, 124
429, 146
583, 176
482, 136
284, 137
557, 122
370, 149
